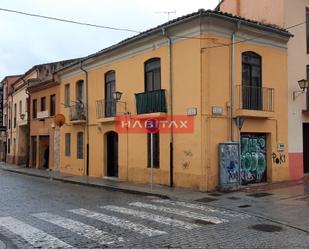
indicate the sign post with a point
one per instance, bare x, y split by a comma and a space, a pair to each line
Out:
152, 127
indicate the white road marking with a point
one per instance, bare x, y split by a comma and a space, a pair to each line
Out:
181, 212
36, 237
139, 228
151, 217
203, 208
80, 228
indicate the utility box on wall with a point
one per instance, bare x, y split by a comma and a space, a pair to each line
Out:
229, 165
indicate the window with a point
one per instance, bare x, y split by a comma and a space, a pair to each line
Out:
80, 91
26, 104
152, 74
5, 120
68, 144
307, 29
251, 81
9, 146
110, 87
15, 114
20, 107
43, 104
34, 108
52, 106
67, 96
156, 150
80, 145
10, 114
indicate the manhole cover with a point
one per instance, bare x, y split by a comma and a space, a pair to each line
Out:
244, 206
206, 199
215, 194
234, 198
203, 222
266, 228
259, 195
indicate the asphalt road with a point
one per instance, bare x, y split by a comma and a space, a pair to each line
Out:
39, 213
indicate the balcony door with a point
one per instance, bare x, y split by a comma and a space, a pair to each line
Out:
152, 75
251, 81
80, 92
110, 87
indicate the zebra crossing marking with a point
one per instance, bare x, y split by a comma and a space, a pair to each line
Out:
151, 217
34, 236
180, 212
80, 228
139, 228
202, 208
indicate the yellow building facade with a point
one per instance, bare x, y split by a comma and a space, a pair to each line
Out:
189, 68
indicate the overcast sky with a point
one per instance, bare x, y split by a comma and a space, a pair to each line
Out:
27, 41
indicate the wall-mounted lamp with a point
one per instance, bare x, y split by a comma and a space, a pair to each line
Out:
117, 95
303, 85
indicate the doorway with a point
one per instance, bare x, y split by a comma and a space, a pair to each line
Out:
43, 152
33, 151
112, 154
306, 147
253, 158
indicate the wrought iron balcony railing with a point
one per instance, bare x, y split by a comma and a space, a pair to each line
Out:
255, 98
151, 102
109, 108
77, 112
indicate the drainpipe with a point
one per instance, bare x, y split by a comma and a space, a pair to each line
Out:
233, 85
87, 120
233, 38
171, 107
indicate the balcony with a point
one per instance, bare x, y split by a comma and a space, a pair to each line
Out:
255, 101
106, 110
151, 102
77, 113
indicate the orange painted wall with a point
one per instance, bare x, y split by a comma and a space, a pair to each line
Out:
201, 79
44, 127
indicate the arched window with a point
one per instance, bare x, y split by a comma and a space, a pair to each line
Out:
110, 87
251, 81
153, 74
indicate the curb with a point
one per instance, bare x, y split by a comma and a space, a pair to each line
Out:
118, 189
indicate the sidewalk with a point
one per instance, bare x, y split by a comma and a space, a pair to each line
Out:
116, 185
174, 193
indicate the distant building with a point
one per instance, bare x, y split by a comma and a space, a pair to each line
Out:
180, 69
33, 93
292, 15
7, 89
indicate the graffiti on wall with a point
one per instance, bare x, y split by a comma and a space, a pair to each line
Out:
278, 158
229, 164
253, 158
